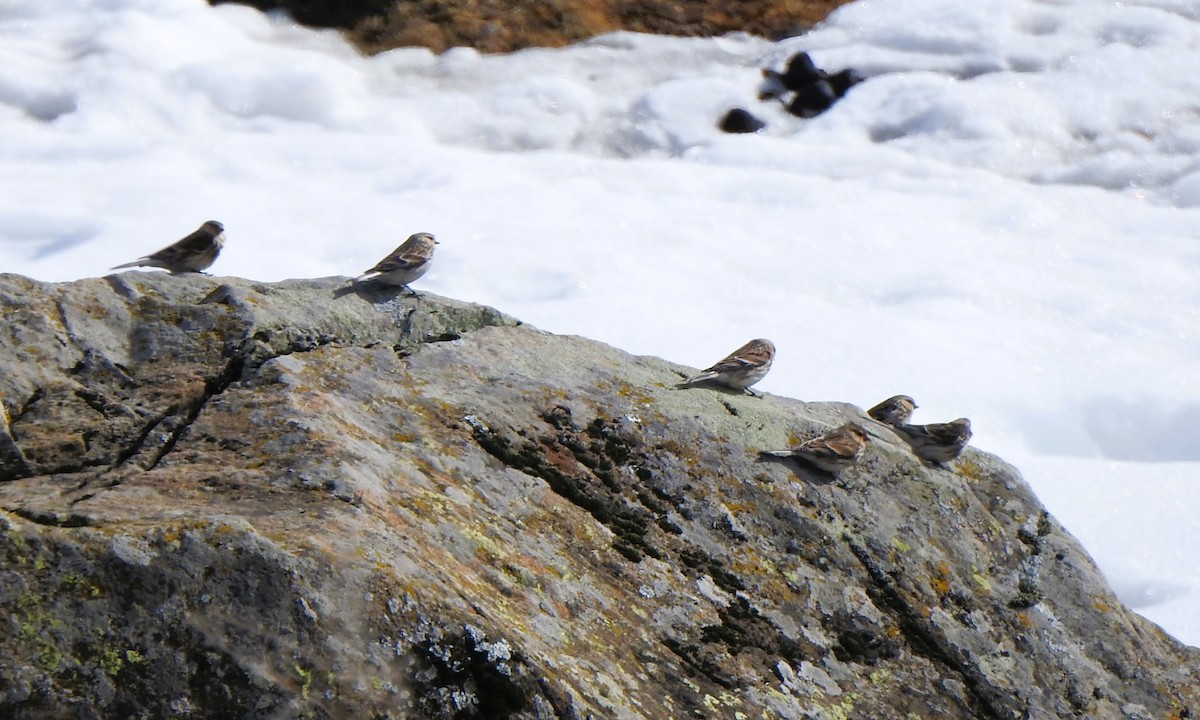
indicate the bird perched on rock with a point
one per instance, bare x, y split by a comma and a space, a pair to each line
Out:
938, 442
194, 253
836, 450
896, 410
406, 263
740, 369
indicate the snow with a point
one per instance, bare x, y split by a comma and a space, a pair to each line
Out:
1003, 221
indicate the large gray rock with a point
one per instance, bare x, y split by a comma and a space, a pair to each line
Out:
227, 499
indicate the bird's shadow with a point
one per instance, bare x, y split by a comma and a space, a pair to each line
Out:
374, 292
714, 385
799, 466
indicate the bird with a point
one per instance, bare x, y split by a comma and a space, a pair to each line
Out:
406, 263
836, 450
194, 253
896, 410
937, 442
740, 369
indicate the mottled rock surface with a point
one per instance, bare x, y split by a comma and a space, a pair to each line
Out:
229, 499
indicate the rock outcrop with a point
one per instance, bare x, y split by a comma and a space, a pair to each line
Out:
500, 26
229, 499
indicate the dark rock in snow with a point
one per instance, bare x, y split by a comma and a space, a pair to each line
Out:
800, 71
812, 99
843, 80
739, 120
804, 89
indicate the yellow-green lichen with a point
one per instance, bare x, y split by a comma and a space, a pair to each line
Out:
970, 470
49, 656
305, 680
110, 662
82, 586
844, 709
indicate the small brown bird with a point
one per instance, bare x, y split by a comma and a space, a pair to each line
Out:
938, 442
896, 410
406, 263
194, 253
836, 450
741, 369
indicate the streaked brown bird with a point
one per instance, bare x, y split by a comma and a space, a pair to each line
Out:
938, 442
836, 450
406, 263
194, 253
896, 410
740, 369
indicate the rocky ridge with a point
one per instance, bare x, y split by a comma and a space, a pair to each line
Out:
222, 498
500, 26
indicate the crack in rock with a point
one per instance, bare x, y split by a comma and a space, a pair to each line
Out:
585, 465
13, 463
213, 387
923, 640
26, 408
52, 519
628, 525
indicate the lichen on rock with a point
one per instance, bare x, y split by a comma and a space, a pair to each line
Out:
222, 498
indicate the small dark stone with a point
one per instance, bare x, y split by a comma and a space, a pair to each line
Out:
861, 645
738, 120
1025, 600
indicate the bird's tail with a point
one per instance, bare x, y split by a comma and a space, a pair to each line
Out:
700, 378
136, 263
777, 453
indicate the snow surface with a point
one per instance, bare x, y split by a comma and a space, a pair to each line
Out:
1002, 221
